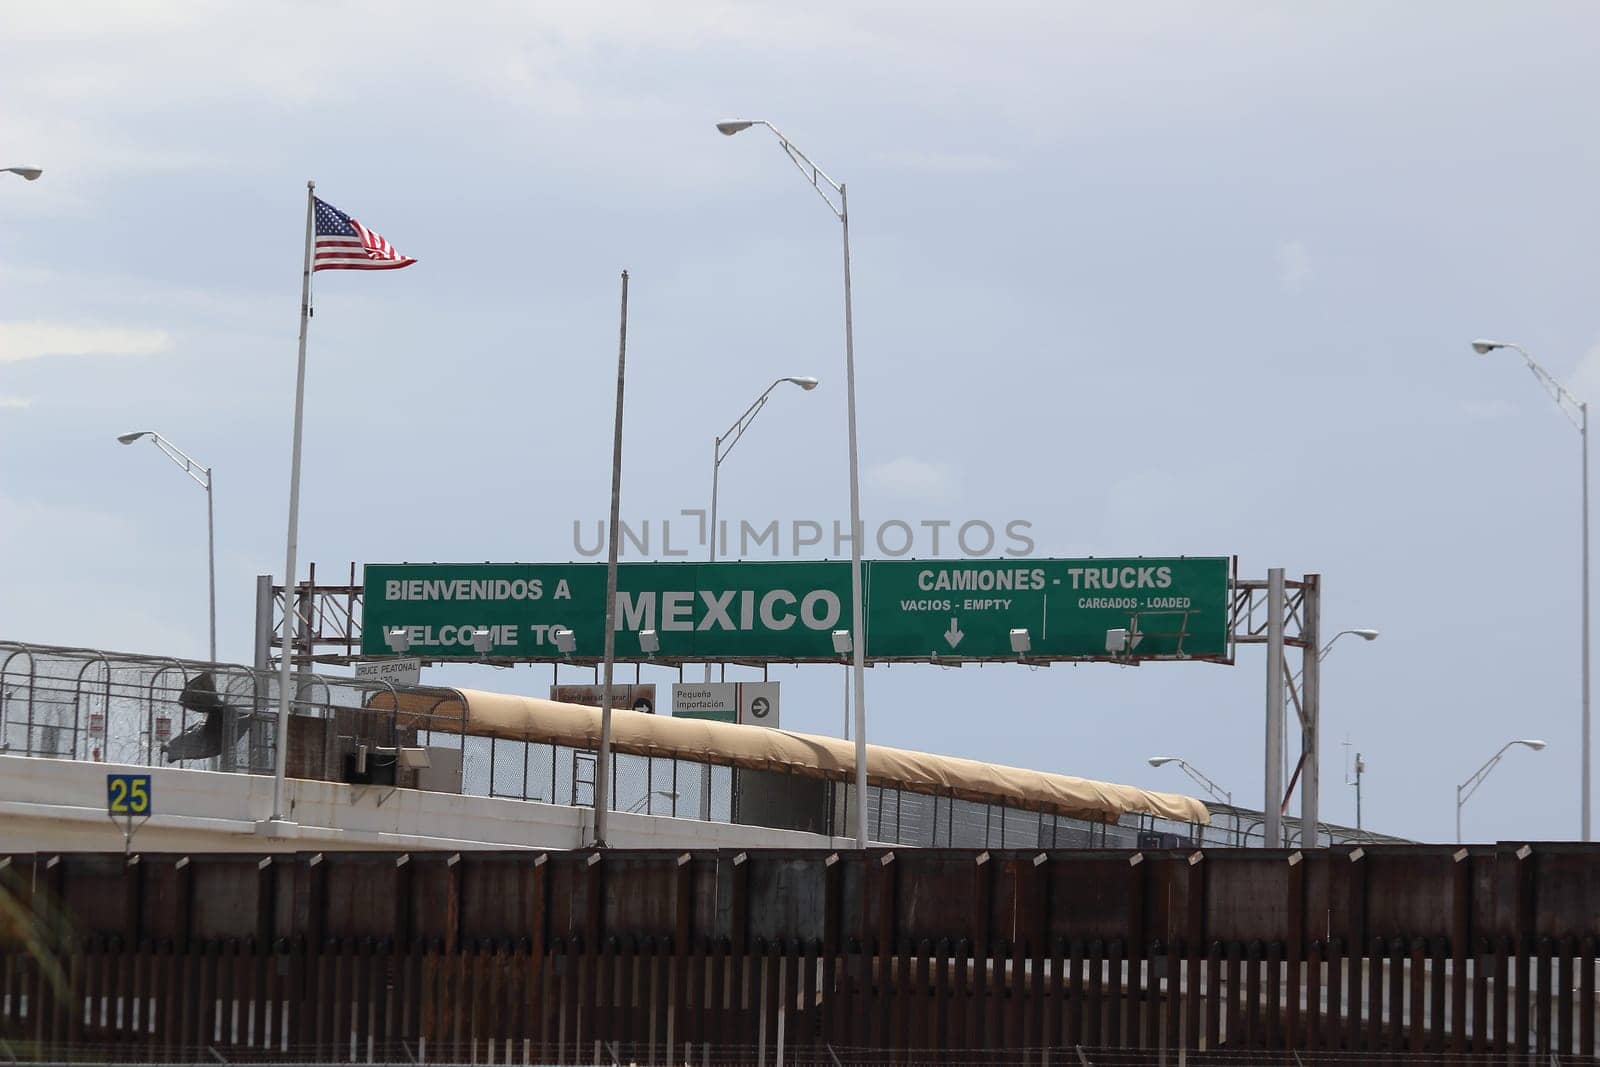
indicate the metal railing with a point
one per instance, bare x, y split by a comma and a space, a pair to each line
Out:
112, 707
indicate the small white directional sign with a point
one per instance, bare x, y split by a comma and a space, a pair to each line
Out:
747, 703
758, 703
717, 701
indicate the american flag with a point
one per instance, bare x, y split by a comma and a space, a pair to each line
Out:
345, 244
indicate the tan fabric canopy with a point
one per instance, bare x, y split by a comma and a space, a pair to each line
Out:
520, 718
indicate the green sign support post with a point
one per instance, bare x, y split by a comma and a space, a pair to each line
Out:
786, 611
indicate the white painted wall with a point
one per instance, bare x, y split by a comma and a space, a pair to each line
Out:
48, 804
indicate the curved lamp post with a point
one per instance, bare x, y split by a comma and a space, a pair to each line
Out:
1577, 412
1216, 791
202, 477
723, 446
1465, 790
27, 173
825, 185
1365, 635
647, 801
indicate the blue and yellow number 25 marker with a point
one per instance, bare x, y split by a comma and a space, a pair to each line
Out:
128, 794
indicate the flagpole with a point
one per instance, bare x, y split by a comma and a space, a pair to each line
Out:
289, 610
602, 770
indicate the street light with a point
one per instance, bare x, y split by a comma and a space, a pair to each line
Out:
1577, 412
1216, 791
202, 478
722, 446
28, 173
724, 443
822, 184
1294, 685
1365, 635
644, 801
1465, 790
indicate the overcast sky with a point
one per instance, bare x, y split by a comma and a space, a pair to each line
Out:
1165, 280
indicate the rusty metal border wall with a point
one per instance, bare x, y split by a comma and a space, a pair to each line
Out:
734, 955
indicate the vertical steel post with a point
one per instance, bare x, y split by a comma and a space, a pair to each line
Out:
1359, 769
1310, 706
716, 468
230, 718
1583, 427
263, 645
816, 178
1272, 798
261, 687
858, 624
282, 756
602, 764
1567, 402
211, 563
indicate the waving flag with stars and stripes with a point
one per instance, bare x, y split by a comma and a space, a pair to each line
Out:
334, 241
344, 244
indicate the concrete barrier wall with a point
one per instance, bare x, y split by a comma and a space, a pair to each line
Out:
48, 804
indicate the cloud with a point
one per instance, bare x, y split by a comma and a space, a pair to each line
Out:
913, 478
1294, 266
18, 274
1586, 378
36, 340
40, 536
1489, 409
16, 401
74, 145
946, 162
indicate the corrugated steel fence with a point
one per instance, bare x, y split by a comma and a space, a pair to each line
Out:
804, 957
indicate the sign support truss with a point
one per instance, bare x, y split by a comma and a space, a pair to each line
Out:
1278, 613
1282, 615
327, 626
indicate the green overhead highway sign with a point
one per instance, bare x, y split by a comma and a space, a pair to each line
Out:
769, 611
968, 609
786, 611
